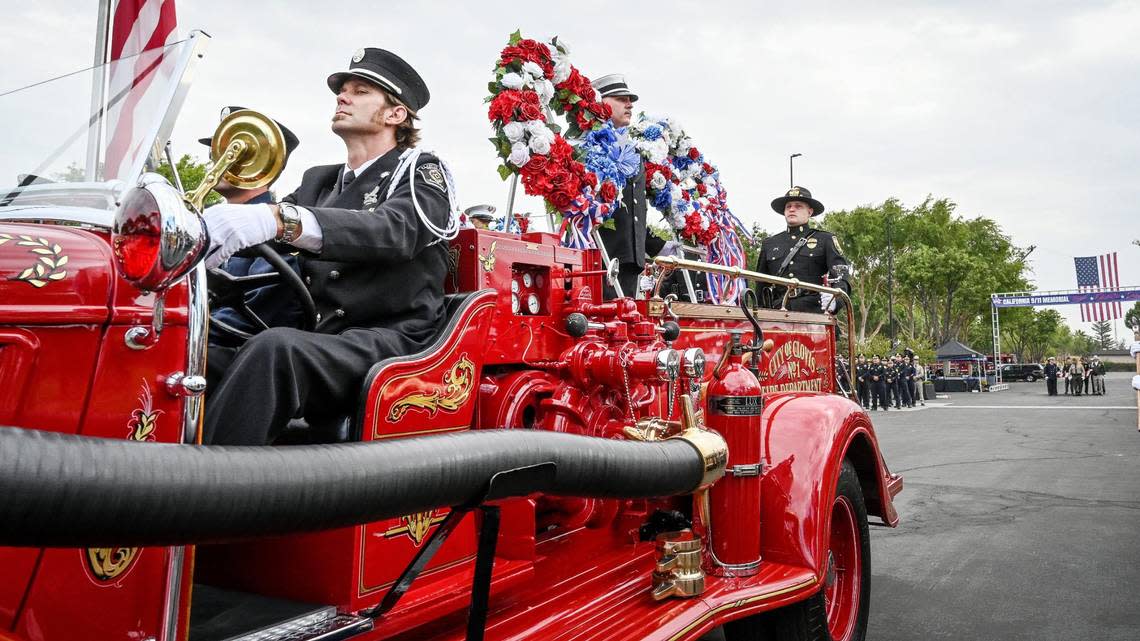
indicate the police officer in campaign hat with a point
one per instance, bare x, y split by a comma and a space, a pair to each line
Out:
271, 303
803, 253
630, 240
373, 257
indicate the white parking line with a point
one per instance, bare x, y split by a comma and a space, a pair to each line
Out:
1035, 407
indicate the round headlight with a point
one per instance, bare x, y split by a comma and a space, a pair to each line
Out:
155, 238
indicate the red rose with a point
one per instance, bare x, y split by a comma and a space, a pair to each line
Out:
701, 188
531, 110
707, 167
693, 153
503, 105
604, 111
608, 191
560, 150
528, 51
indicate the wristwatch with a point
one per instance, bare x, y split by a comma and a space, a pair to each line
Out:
290, 222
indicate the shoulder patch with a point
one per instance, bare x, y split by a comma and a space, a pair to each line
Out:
835, 241
432, 174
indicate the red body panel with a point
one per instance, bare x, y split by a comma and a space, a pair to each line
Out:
566, 568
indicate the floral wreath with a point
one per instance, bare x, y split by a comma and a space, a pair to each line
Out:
686, 189
581, 183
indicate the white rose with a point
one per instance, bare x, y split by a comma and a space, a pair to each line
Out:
684, 145
659, 151
540, 145
658, 181
514, 131
512, 80
533, 70
519, 155
561, 68
688, 185
545, 90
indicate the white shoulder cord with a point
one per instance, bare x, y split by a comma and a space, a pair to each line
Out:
407, 164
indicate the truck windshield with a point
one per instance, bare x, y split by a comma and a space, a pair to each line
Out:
73, 139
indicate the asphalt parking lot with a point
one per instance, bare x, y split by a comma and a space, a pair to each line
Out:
1020, 518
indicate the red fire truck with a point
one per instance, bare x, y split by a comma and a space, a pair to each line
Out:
553, 466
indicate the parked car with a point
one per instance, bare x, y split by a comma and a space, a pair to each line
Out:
1022, 372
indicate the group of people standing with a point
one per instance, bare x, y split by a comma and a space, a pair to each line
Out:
1080, 375
895, 380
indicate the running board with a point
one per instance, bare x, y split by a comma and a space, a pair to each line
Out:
325, 625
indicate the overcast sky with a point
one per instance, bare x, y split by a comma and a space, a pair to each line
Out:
1025, 112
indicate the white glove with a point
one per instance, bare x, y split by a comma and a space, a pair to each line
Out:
827, 302
1134, 349
671, 248
234, 227
1136, 382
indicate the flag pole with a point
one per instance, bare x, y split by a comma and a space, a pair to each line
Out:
98, 91
1136, 336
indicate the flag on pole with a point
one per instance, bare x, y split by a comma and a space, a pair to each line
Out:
1098, 273
136, 26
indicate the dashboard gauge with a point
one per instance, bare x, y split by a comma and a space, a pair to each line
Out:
515, 303
528, 280
515, 286
532, 303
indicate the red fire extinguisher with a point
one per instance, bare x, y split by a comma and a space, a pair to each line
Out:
734, 407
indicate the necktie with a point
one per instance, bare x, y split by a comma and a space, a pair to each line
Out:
349, 176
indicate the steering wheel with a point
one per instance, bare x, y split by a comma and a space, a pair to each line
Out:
227, 290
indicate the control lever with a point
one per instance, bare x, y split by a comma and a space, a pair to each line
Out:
669, 331
747, 302
577, 325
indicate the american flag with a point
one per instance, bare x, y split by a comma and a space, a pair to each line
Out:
136, 26
1098, 273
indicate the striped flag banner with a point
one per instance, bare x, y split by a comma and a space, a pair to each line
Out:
1099, 273
137, 26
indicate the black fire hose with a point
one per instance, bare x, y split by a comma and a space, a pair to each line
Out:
59, 490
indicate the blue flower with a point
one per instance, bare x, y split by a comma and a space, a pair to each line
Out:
652, 132
662, 200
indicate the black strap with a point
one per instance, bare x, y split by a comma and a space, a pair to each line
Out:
795, 250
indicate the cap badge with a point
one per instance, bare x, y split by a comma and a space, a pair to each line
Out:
793, 192
358, 56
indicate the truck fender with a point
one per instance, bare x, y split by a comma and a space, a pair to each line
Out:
806, 437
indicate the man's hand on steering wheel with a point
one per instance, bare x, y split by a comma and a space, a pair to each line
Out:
232, 228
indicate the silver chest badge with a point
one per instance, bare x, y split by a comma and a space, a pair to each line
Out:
372, 197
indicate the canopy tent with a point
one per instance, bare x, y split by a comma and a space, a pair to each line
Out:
952, 351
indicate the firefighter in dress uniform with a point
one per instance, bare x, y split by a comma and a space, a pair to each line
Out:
877, 372
271, 303
630, 241
372, 256
804, 253
862, 386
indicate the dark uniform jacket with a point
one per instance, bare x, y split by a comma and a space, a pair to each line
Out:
811, 263
379, 266
631, 240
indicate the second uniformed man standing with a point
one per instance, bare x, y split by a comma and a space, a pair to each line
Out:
803, 253
630, 240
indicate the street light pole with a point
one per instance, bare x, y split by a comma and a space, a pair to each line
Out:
891, 283
791, 171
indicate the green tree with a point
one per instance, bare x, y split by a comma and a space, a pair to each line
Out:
1132, 318
1030, 333
863, 235
1102, 334
191, 171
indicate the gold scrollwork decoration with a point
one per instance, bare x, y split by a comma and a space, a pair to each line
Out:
144, 419
49, 264
453, 266
488, 261
449, 397
416, 526
108, 563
